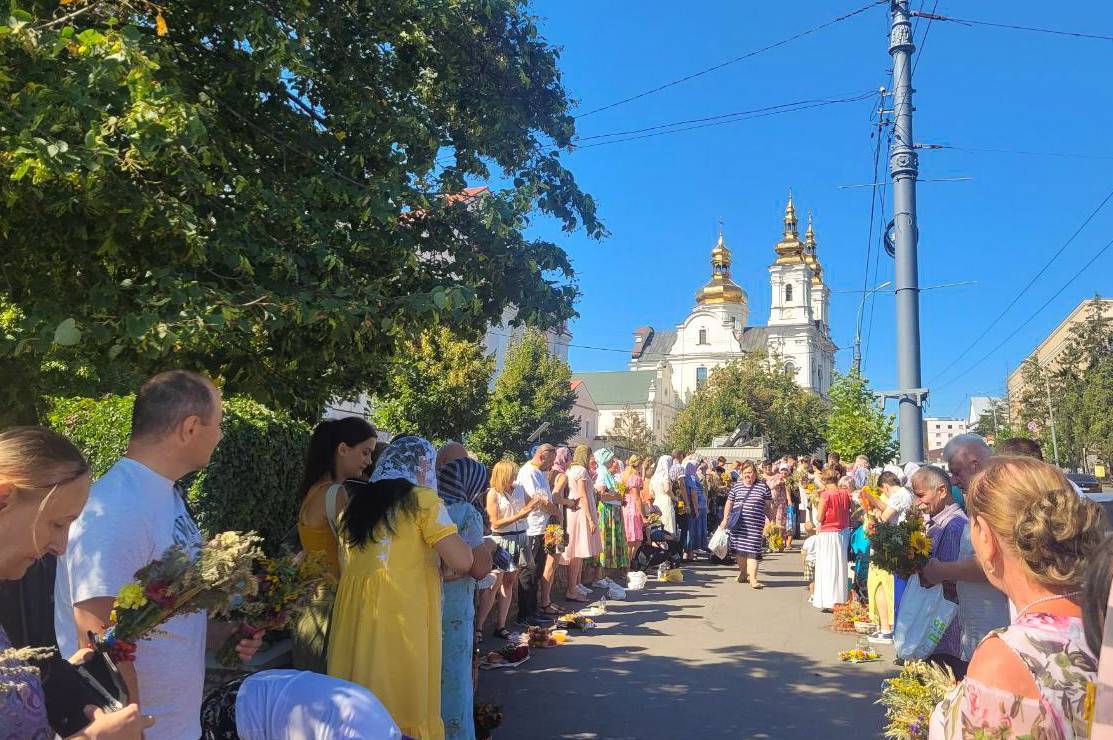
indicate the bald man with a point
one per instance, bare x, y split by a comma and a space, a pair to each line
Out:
532, 477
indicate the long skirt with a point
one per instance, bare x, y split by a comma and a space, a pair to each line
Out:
614, 553
664, 504
831, 569
697, 531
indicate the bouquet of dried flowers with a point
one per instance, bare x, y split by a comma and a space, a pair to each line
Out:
811, 490
903, 548
556, 539
653, 519
178, 583
287, 585
857, 655
774, 537
845, 615
911, 696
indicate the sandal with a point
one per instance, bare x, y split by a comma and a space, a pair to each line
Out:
577, 599
502, 632
756, 585
551, 609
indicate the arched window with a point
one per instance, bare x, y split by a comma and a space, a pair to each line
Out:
701, 377
788, 293
790, 368
703, 336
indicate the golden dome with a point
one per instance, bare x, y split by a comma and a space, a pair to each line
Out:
720, 289
810, 255
789, 249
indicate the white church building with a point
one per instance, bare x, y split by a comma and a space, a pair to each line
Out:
718, 330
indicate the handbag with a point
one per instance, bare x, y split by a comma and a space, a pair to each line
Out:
922, 619
736, 511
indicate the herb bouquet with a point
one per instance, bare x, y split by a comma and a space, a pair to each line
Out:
287, 585
774, 537
178, 583
910, 698
902, 548
556, 539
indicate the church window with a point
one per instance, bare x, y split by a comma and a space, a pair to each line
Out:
701, 377
790, 369
788, 293
703, 336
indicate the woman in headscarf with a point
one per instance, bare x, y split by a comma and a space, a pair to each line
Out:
697, 520
661, 485
460, 482
583, 527
386, 621
614, 555
633, 510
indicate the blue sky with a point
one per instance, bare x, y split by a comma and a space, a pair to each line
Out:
977, 87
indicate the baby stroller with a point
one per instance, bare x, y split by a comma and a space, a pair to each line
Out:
661, 547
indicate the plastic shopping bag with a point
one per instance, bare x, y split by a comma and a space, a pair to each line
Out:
923, 617
616, 593
635, 580
719, 543
674, 575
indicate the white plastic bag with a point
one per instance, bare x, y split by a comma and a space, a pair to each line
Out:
635, 580
923, 617
719, 543
616, 593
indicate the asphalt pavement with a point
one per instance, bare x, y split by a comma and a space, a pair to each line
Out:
707, 658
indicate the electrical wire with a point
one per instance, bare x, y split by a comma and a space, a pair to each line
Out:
1024, 152
1029, 320
923, 39
1013, 27
881, 193
747, 55
1030, 283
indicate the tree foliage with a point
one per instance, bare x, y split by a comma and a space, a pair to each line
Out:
858, 425
534, 387
995, 422
757, 390
630, 431
437, 387
271, 191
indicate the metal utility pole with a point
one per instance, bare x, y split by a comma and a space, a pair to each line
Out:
903, 168
1051, 416
856, 363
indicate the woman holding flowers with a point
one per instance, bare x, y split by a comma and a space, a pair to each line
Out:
338, 450
558, 484
44, 484
386, 624
583, 526
1035, 539
889, 505
459, 483
748, 505
633, 510
832, 542
614, 554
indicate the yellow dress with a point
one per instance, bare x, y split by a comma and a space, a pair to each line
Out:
881, 581
386, 622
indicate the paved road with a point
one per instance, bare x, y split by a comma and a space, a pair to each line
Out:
708, 658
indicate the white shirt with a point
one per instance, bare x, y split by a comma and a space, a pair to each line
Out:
900, 500
507, 507
981, 607
302, 705
808, 548
535, 483
132, 517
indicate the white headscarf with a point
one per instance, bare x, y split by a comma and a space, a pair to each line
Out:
408, 458
660, 481
909, 471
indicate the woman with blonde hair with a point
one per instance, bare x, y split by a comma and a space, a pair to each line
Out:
584, 540
633, 510
1034, 538
832, 541
507, 510
44, 484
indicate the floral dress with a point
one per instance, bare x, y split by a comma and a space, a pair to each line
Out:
1054, 649
22, 704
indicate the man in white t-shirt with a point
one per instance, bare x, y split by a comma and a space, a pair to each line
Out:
135, 512
532, 477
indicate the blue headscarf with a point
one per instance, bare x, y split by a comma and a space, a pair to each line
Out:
604, 456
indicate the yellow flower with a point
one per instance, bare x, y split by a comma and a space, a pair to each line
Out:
112, 616
920, 544
131, 597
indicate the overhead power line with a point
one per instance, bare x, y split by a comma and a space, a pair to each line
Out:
1031, 318
747, 55
1023, 152
1030, 283
1013, 27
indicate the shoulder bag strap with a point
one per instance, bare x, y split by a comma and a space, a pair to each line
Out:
332, 517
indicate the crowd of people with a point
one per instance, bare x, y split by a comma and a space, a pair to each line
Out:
427, 547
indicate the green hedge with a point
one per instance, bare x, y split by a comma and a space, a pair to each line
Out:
251, 482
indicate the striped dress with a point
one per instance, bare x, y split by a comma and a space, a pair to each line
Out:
746, 537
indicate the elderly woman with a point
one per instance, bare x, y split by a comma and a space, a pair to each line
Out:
749, 504
661, 486
832, 541
614, 556
1035, 538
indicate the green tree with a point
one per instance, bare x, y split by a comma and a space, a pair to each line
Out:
438, 387
273, 192
756, 390
858, 425
630, 431
534, 387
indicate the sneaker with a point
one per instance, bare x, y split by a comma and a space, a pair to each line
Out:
881, 638
582, 590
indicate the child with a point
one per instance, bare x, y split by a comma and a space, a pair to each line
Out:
807, 552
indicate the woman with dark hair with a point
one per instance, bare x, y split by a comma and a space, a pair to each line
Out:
338, 451
386, 624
